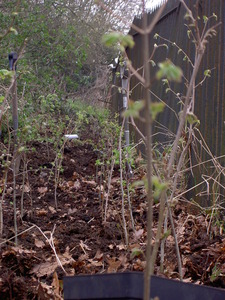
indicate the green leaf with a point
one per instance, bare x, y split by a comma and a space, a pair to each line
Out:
153, 63
136, 252
189, 33
127, 41
207, 73
13, 30
215, 16
192, 118
187, 16
205, 19
21, 149
158, 187
168, 70
156, 108
215, 273
113, 38
138, 183
165, 82
6, 74
134, 109
1, 99
166, 234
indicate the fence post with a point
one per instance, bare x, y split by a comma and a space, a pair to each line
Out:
124, 78
124, 75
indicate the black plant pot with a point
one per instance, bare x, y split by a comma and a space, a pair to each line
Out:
120, 286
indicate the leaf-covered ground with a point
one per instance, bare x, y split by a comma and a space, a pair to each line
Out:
73, 239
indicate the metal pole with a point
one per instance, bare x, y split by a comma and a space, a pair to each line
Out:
125, 105
124, 78
124, 75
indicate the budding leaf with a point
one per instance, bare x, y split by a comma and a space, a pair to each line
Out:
168, 70
207, 73
113, 38
189, 33
1, 99
6, 74
215, 16
192, 118
158, 187
156, 108
13, 30
205, 19
166, 234
136, 252
134, 109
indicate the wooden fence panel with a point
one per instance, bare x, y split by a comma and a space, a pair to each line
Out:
210, 96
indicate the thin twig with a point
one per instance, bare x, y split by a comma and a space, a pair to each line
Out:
12, 238
108, 187
121, 184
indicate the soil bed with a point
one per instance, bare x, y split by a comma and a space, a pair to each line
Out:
73, 239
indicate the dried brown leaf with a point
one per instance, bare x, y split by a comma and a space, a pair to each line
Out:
44, 269
26, 188
71, 211
121, 246
55, 283
41, 212
95, 263
98, 255
113, 265
39, 243
42, 190
90, 182
138, 234
52, 209
77, 184
84, 246
111, 246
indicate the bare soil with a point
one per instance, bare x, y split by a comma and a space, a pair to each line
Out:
72, 239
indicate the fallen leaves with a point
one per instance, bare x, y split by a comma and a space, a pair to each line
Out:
44, 269
114, 265
41, 212
42, 190
83, 244
51, 264
46, 292
39, 243
26, 188
138, 234
84, 247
